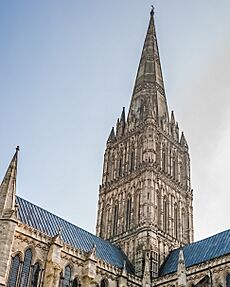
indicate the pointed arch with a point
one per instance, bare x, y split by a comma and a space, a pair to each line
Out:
165, 214
26, 268
159, 209
67, 276
128, 212
36, 275
228, 280
115, 218
14, 271
183, 223
76, 282
176, 221
132, 159
104, 283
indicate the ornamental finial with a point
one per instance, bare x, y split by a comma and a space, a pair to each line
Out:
152, 10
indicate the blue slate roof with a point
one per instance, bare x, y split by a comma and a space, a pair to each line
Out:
49, 223
198, 252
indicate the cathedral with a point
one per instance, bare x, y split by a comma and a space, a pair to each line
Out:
144, 230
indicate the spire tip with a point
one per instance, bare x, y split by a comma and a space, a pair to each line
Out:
152, 10
17, 148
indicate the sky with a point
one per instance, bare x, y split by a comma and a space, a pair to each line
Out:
68, 67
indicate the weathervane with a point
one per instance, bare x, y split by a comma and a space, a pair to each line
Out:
152, 10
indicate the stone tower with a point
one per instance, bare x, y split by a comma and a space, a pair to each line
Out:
145, 199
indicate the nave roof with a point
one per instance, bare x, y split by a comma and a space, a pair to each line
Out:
77, 237
198, 252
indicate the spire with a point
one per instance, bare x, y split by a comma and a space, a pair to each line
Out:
112, 136
8, 188
181, 270
183, 141
147, 277
149, 90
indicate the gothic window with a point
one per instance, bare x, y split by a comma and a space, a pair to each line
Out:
132, 159
76, 283
228, 280
137, 207
176, 218
120, 167
163, 159
26, 268
159, 210
183, 224
15, 263
154, 264
139, 263
36, 275
115, 222
67, 277
128, 213
165, 215
174, 168
103, 283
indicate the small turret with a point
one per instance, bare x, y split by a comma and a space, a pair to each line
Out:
183, 141
181, 270
121, 124
112, 136
177, 130
8, 189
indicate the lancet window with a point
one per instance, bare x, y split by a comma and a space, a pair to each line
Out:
183, 224
128, 213
120, 167
165, 215
36, 275
14, 270
26, 268
115, 222
228, 280
76, 282
159, 210
176, 218
103, 283
132, 160
67, 277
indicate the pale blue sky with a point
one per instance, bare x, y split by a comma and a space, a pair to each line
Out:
66, 70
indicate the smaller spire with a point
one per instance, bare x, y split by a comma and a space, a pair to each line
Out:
147, 275
172, 118
124, 269
183, 141
8, 188
181, 269
112, 136
92, 252
122, 119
